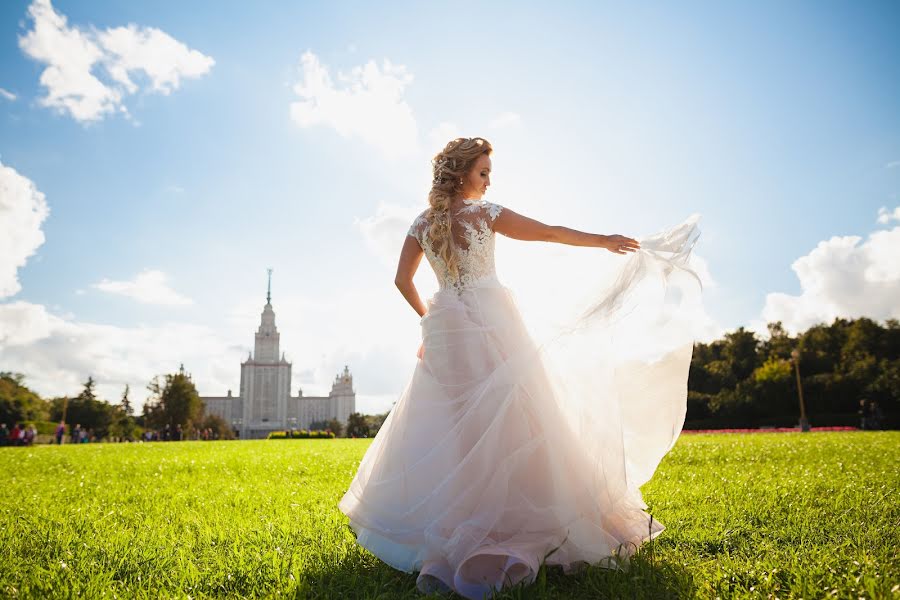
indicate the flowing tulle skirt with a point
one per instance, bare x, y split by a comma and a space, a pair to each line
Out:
503, 453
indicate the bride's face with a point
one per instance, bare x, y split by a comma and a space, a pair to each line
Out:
477, 180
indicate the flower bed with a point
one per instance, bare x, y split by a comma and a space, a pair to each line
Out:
769, 430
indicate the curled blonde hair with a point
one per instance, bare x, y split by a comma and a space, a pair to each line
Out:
449, 166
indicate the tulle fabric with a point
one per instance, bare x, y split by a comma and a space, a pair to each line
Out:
504, 452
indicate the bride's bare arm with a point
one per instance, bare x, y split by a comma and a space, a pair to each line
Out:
410, 257
520, 227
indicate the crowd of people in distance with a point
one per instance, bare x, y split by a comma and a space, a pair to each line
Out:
19, 435
177, 434
26, 435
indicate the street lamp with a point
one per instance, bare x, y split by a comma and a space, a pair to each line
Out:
804, 423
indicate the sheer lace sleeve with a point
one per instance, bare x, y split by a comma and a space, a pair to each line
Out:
493, 211
418, 227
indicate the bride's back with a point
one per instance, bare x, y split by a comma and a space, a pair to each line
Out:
472, 235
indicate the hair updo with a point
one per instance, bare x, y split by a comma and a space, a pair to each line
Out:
449, 166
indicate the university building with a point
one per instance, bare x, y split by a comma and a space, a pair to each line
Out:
265, 402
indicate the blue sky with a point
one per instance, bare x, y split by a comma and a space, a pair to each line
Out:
777, 122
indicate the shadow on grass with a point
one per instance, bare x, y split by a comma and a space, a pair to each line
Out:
360, 574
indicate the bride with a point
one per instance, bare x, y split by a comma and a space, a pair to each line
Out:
503, 453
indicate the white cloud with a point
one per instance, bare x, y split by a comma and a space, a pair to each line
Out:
505, 119
440, 135
57, 354
22, 211
842, 277
385, 231
885, 216
7, 94
368, 103
893, 164
76, 59
162, 58
148, 287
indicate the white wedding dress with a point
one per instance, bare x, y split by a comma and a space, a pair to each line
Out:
501, 453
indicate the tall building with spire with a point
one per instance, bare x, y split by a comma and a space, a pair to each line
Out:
265, 402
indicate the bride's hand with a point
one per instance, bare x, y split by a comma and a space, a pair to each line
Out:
619, 244
421, 351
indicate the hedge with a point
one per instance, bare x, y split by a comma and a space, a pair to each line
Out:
301, 434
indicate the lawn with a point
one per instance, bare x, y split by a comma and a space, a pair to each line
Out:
784, 515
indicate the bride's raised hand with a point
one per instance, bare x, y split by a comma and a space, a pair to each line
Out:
620, 244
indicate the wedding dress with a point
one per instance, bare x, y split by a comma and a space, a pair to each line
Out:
501, 453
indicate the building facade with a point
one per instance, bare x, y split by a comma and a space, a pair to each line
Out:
265, 403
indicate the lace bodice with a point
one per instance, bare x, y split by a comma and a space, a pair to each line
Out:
473, 243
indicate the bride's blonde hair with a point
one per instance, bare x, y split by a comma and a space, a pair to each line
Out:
449, 167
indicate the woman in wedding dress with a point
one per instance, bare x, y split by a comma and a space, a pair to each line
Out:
503, 453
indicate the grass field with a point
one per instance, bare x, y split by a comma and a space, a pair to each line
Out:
782, 515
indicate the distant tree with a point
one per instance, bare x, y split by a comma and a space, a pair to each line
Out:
125, 403
173, 402
17, 402
220, 428
774, 387
153, 416
124, 426
375, 422
698, 404
335, 426
885, 388
779, 344
86, 410
740, 353
357, 425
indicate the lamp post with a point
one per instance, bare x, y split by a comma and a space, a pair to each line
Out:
804, 423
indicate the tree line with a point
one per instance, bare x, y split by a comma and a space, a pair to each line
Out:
739, 380
744, 381
174, 404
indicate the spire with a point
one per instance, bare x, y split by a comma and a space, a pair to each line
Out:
266, 346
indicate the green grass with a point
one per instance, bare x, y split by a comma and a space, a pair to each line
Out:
783, 515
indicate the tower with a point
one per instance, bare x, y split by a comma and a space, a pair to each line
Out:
342, 395
265, 403
267, 336
265, 379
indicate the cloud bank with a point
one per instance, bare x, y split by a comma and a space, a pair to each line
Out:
22, 211
148, 287
844, 276
89, 72
367, 103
